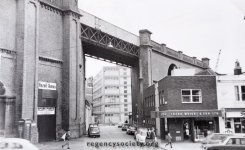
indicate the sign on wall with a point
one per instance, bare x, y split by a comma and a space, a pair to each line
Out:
186, 113
45, 110
46, 85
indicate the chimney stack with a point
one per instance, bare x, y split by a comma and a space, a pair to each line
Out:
237, 69
205, 62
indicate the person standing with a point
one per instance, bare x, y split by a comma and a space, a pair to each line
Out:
66, 137
169, 139
153, 135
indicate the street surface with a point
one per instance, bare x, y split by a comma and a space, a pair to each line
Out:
113, 135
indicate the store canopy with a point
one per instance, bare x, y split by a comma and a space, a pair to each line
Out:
185, 113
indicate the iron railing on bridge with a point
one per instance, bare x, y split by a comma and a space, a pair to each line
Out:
97, 36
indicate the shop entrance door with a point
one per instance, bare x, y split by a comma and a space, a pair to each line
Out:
238, 125
186, 129
46, 114
46, 127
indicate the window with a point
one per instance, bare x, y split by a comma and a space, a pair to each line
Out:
125, 96
125, 82
125, 91
191, 96
161, 97
125, 109
125, 100
125, 105
237, 93
228, 123
240, 93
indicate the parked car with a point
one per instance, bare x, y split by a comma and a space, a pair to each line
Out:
94, 131
119, 125
91, 126
140, 135
131, 130
16, 143
125, 126
233, 142
214, 138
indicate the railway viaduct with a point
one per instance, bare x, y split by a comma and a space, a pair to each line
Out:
43, 44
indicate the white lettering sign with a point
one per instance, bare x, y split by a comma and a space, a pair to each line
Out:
46, 85
45, 110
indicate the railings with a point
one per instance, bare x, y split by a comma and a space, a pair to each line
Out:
104, 39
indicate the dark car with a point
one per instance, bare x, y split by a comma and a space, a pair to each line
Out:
94, 132
131, 130
234, 142
125, 127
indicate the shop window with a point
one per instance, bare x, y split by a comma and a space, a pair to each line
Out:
228, 123
191, 96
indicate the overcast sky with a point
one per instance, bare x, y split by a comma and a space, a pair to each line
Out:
197, 27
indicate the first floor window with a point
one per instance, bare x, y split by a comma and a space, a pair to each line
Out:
240, 92
191, 96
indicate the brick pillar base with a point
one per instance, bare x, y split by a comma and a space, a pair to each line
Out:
30, 131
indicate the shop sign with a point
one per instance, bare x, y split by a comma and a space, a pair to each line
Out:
45, 110
183, 113
46, 85
236, 114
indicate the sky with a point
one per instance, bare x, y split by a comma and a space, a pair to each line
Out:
199, 28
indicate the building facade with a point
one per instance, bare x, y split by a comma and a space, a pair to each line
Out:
185, 106
231, 100
112, 95
40, 69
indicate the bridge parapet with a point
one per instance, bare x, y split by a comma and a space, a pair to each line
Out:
161, 48
106, 27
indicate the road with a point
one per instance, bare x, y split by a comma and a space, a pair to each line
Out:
114, 138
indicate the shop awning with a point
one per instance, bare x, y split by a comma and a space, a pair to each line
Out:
185, 113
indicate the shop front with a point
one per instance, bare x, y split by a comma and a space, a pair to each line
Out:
233, 121
187, 124
46, 111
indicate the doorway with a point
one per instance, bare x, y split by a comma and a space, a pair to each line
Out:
186, 129
46, 127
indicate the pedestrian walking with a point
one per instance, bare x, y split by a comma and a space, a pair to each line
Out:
153, 135
148, 134
169, 139
66, 137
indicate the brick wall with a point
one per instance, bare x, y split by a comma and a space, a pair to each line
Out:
172, 86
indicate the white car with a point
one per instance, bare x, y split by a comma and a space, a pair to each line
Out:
140, 135
16, 143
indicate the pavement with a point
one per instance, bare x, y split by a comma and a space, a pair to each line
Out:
114, 138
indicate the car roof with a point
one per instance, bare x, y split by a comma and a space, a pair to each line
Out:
237, 136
